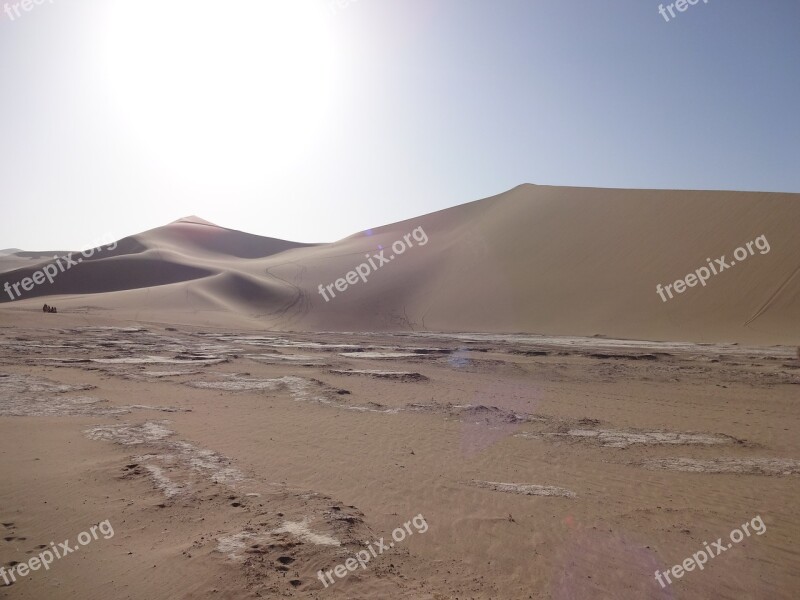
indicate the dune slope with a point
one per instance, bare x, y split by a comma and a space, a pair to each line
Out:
536, 259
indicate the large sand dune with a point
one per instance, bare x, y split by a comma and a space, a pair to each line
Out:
536, 259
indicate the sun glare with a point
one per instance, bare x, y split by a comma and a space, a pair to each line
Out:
221, 93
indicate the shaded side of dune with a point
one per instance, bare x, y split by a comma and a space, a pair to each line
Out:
100, 276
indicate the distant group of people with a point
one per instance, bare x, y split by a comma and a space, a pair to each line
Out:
49, 309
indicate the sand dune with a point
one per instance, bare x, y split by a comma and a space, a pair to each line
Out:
536, 259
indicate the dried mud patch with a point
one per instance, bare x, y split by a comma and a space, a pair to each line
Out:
300, 389
737, 466
624, 438
11, 383
525, 489
174, 466
31, 396
379, 355
378, 374
300, 360
266, 531
488, 415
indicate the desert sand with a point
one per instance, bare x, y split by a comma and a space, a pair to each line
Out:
561, 431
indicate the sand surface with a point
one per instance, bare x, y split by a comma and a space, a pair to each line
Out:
237, 463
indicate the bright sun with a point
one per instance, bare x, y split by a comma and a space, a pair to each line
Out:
221, 93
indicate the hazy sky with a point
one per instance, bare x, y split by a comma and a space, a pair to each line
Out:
312, 120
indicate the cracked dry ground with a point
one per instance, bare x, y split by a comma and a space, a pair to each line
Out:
239, 464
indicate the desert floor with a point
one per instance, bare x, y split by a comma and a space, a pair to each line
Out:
236, 464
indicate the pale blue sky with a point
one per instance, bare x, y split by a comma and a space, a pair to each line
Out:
289, 119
